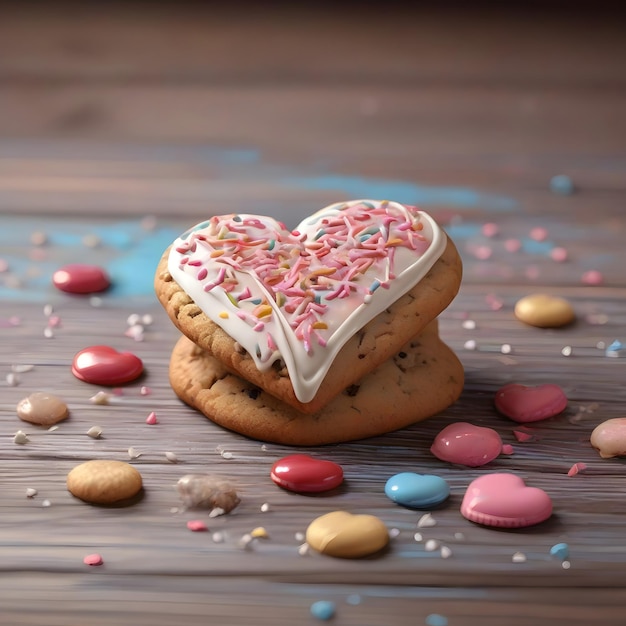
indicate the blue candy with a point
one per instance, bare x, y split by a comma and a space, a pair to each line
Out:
434, 619
417, 491
560, 550
323, 609
562, 185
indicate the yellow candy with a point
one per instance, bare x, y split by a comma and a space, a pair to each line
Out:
544, 311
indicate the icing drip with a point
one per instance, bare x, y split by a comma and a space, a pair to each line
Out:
299, 296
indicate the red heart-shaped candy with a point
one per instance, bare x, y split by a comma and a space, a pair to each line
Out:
103, 365
304, 474
530, 404
504, 500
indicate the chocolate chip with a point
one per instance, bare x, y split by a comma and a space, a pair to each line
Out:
352, 390
253, 394
402, 355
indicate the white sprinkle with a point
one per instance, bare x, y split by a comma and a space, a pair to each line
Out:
133, 319
20, 437
91, 241
146, 319
459, 536
217, 537
171, 457
102, 398
394, 532
135, 332
431, 545
174, 509
31, 492
227, 455
95, 301
418, 537
263, 448
133, 453
566, 565
48, 333
601, 345
145, 391
216, 512
22, 369
303, 550
445, 552
246, 541
53, 428
265, 507
95, 432
46, 503
505, 348
470, 344
48, 310
426, 521
469, 324
567, 351
299, 536
13, 380
519, 557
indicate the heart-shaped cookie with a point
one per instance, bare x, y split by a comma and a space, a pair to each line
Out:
300, 296
530, 404
103, 365
504, 500
345, 535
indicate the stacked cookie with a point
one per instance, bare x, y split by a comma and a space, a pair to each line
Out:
323, 334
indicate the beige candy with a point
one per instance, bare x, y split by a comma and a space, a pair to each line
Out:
345, 535
545, 311
104, 482
42, 408
609, 438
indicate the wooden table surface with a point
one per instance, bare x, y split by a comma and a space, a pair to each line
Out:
121, 127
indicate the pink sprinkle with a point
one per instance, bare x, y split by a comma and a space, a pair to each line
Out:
507, 448
592, 277
483, 252
532, 272
538, 234
145, 391
54, 321
152, 419
576, 468
512, 245
522, 436
4, 265
118, 391
490, 229
93, 559
558, 254
495, 304
197, 526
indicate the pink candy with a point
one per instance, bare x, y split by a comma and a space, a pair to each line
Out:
81, 279
530, 404
466, 444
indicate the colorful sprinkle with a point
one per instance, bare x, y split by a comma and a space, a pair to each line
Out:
93, 560
197, 526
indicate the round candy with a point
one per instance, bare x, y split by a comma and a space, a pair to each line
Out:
466, 444
304, 474
417, 491
80, 279
344, 535
323, 609
104, 482
102, 365
609, 438
544, 311
562, 185
42, 408
530, 404
505, 501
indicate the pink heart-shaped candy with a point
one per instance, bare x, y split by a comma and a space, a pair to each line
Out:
467, 444
530, 404
504, 500
103, 365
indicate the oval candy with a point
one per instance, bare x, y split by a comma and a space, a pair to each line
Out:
544, 311
104, 481
609, 438
304, 474
344, 535
42, 408
103, 365
416, 491
80, 279
467, 444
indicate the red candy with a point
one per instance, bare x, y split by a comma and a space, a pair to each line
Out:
102, 365
78, 278
530, 404
304, 474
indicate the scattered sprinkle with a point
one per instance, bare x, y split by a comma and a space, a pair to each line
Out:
519, 557
445, 552
48, 333
20, 437
576, 469
469, 324
567, 351
246, 541
152, 419
522, 436
323, 610
483, 252
133, 319
538, 233
459, 536
197, 526
93, 560
506, 348
145, 391
13, 380
171, 457
394, 532
597, 319
91, 241
147, 319
226, 455
470, 344
133, 453
490, 229
566, 565
95, 432
418, 537
96, 301
354, 599
303, 550
265, 507
561, 184
592, 277
217, 537
259, 533
431, 545
435, 619
559, 254
512, 245
31, 492
426, 521
560, 550
46, 503
507, 449
216, 512
101, 398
